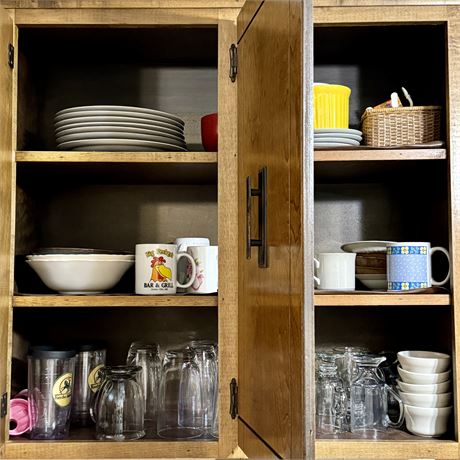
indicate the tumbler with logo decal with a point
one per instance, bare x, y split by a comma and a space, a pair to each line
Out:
89, 376
50, 383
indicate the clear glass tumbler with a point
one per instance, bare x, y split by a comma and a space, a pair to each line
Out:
331, 403
50, 384
369, 398
119, 406
207, 364
180, 409
147, 356
89, 376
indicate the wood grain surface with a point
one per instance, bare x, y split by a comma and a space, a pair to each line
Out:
7, 190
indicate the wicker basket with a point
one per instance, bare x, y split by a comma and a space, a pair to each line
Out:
401, 126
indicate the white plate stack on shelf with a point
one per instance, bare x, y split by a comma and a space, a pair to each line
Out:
327, 138
113, 128
424, 388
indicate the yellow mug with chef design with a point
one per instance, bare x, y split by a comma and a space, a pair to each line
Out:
156, 269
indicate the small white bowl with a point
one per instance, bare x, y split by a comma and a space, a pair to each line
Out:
375, 282
425, 362
87, 276
434, 388
424, 421
422, 379
426, 400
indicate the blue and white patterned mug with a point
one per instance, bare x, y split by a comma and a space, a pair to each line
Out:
409, 266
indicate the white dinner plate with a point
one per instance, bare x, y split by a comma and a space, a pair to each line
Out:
117, 113
108, 119
366, 246
332, 140
329, 145
356, 137
337, 131
126, 108
119, 145
119, 135
117, 126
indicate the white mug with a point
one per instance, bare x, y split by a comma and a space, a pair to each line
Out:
156, 269
207, 267
336, 271
182, 245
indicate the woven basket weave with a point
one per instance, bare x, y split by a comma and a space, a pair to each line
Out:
401, 126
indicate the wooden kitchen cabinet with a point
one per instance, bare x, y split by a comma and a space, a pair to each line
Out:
174, 55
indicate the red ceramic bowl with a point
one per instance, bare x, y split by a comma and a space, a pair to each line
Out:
209, 132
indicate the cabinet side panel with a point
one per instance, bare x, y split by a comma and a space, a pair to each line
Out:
453, 120
228, 237
6, 188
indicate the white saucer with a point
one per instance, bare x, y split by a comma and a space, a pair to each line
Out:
329, 145
89, 108
118, 113
119, 135
119, 145
356, 137
334, 140
337, 131
366, 246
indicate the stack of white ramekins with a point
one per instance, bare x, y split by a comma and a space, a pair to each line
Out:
425, 391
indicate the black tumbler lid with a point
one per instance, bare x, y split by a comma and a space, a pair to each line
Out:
93, 346
49, 352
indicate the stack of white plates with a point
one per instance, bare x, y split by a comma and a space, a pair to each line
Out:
115, 128
327, 138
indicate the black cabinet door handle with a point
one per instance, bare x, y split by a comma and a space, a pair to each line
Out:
261, 194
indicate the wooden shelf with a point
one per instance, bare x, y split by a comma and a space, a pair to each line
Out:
363, 300
116, 157
113, 301
364, 154
26, 449
117, 167
385, 449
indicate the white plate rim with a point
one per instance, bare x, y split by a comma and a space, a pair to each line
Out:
356, 137
324, 145
127, 108
366, 246
104, 119
114, 135
120, 125
337, 130
109, 113
334, 140
117, 142
118, 129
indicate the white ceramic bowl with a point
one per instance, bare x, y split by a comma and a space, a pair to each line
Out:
425, 362
85, 276
421, 379
374, 282
426, 400
71, 257
425, 421
434, 388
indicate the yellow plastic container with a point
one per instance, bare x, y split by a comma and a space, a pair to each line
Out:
331, 106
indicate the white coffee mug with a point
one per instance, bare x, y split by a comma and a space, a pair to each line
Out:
207, 267
336, 271
156, 269
182, 245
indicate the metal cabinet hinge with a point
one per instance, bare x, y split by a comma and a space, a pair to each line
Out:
11, 55
233, 398
3, 405
233, 62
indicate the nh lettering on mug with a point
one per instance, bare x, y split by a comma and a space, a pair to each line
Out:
409, 266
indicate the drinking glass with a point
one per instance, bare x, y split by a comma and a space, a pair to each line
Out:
369, 398
331, 404
119, 406
207, 364
345, 360
50, 384
180, 409
147, 356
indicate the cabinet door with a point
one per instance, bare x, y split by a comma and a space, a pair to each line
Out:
275, 310
6, 184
